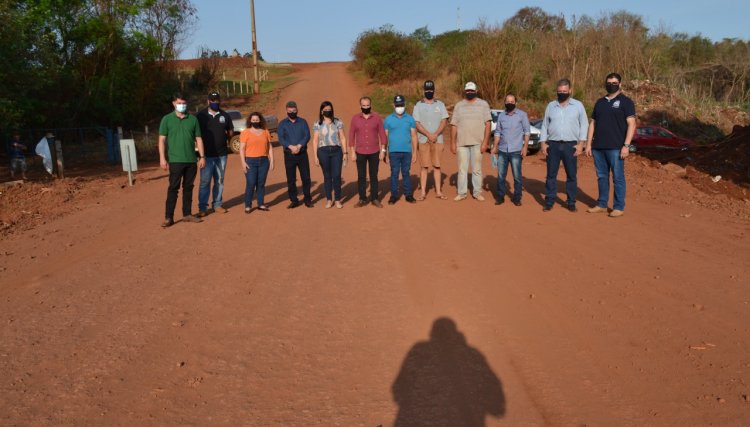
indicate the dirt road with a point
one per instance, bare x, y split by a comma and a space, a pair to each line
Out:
440, 313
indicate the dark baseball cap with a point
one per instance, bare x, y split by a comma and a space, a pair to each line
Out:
213, 96
429, 85
291, 104
399, 101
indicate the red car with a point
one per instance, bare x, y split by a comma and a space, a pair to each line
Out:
650, 137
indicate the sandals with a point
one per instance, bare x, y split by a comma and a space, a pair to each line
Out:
421, 197
441, 196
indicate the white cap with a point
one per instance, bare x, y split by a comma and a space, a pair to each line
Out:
470, 86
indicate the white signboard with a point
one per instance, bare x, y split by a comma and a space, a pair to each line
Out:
127, 153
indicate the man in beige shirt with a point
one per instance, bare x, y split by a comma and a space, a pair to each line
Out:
470, 135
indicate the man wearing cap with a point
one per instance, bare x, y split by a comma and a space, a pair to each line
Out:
294, 134
216, 129
470, 135
564, 130
512, 133
401, 131
431, 117
367, 141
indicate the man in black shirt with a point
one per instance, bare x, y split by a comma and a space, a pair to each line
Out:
610, 134
217, 129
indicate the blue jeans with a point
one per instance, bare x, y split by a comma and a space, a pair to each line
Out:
331, 159
255, 179
215, 168
606, 161
556, 152
514, 159
400, 162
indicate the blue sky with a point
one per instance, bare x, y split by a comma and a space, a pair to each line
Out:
308, 31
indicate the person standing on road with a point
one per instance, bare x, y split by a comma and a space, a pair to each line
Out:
610, 134
470, 135
294, 134
17, 156
180, 131
329, 150
216, 129
256, 156
512, 132
401, 131
563, 134
367, 142
431, 117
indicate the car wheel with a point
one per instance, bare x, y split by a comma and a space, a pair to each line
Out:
234, 144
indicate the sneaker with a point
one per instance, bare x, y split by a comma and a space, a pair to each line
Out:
479, 198
596, 209
361, 203
191, 218
459, 197
293, 204
547, 208
410, 199
202, 214
392, 201
377, 203
338, 204
329, 204
517, 202
309, 205
572, 208
220, 209
616, 212
499, 201
248, 209
210, 211
168, 222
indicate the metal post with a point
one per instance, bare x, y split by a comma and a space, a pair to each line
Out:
256, 83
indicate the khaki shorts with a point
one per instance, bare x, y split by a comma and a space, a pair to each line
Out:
430, 154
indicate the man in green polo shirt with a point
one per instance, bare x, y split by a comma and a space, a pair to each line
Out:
181, 133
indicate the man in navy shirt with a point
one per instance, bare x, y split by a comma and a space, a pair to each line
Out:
610, 134
294, 134
216, 128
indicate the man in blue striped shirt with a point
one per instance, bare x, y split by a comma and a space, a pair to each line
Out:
512, 133
564, 131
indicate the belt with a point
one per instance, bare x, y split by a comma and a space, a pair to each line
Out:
302, 150
564, 142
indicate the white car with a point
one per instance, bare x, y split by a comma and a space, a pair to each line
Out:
534, 144
272, 123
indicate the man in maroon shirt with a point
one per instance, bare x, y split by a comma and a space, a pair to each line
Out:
367, 140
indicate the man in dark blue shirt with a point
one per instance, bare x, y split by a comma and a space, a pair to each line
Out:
610, 134
294, 134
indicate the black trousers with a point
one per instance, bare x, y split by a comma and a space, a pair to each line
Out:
292, 162
362, 162
180, 173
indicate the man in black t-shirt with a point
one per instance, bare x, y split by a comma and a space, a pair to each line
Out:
610, 134
217, 129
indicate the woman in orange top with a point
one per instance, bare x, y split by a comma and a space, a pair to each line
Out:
257, 158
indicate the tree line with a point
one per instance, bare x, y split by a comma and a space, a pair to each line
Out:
74, 63
531, 50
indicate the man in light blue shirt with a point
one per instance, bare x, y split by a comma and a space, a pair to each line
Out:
564, 130
511, 144
401, 132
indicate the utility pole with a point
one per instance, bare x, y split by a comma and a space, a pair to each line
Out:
256, 82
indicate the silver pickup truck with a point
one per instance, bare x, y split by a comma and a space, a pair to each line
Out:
272, 124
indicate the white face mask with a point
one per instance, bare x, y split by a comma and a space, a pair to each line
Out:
181, 108
400, 110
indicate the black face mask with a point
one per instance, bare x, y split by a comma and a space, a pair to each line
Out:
562, 97
509, 107
292, 116
255, 125
471, 95
328, 114
612, 87
366, 110
429, 95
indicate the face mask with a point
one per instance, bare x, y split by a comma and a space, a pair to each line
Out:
471, 95
612, 87
255, 125
181, 108
366, 110
509, 107
429, 95
292, 116
400, 110
328, 114
562, 97
214, 106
